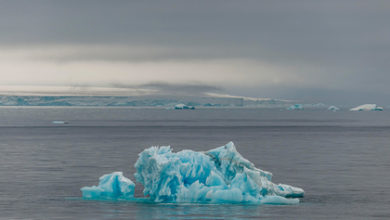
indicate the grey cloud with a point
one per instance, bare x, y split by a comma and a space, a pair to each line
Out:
185, 89
122, 53
345, 42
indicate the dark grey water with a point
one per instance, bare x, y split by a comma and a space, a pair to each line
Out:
341, 160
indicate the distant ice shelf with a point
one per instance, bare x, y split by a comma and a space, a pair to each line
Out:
220, 175
178, 102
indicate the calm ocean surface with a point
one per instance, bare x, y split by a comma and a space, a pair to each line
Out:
341, 159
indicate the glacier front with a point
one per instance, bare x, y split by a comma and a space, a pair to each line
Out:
220, 175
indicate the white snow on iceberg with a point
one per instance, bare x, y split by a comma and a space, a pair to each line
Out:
111, 186
367, 107
220, 175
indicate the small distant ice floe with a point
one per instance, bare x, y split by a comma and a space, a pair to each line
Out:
59, 122
367, 107
295, 107
183, 106
333, 108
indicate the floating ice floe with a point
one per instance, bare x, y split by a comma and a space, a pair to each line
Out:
220, 175
367, 107
59, 122
333, 108
295, 107
183, 106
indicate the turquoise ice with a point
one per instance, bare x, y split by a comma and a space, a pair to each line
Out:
111, 186
295, 107
220, 175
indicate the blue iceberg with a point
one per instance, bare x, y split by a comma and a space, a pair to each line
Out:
220, 175
111, 186
183, 106
295, 107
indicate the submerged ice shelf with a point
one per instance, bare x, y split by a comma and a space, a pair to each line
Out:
220, 175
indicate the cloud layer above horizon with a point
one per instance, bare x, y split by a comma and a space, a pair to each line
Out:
330, 51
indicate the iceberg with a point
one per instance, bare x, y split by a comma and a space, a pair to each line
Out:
367, 107
220, 175
333, 108
296, 107
111, 186
183, 106
59, 122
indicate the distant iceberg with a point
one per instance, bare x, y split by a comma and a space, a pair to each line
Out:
183, 106
367, 107
220, 175
333, 108
59, 122
296, 107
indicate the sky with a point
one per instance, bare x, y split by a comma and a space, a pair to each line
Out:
334, 51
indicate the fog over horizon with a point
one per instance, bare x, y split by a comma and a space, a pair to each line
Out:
334, 52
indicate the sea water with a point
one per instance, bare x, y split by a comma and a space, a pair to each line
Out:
341, 160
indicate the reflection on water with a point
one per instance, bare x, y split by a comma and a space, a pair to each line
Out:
124, 210
192, 211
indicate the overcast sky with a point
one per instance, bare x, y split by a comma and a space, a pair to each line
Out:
317, 51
